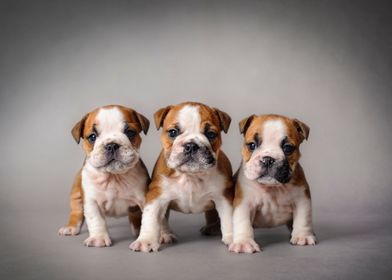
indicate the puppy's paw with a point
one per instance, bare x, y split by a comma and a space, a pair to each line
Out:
213, 229
303, 239
145, 246
69, 230
245, 246
227, 239
102, 240
167, 238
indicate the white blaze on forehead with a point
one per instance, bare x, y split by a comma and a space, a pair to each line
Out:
273, 132
189, 119
110, 120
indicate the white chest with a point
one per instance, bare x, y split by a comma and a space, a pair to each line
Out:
193, 194
275, 205
113, 193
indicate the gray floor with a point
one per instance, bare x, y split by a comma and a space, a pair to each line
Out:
349, 248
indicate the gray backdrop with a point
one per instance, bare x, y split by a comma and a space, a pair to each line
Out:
327, 63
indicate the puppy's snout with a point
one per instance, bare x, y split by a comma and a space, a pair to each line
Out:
112, 147
267, 162
191, 148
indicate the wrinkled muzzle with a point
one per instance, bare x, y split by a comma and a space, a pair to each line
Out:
113, 157
191, 157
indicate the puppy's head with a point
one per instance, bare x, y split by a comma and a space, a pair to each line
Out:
191, 135
111, 137
271, 147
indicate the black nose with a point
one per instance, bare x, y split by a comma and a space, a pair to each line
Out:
267, 162
112, 147
190, 147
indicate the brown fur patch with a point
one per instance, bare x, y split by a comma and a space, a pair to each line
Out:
76, 216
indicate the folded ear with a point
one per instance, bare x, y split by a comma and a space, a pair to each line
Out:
144, 123
245, 123
302, 129
160, 116
224, 119
77, 130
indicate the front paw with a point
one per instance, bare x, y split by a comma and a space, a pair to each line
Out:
144, 245
227, 239
69, 230
245, 246
101, 240
167, 238
303, 239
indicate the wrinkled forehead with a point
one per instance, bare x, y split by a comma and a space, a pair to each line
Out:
267, 131
192, 118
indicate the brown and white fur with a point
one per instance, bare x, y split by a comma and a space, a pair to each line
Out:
271, 188
113, 180
192, 174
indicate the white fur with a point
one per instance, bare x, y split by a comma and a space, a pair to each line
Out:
110, 193
192, 193
274, 206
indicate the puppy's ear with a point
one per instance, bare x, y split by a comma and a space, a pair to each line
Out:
143, 122
224, 119
77, 130
302, 129
245, 123
160, 116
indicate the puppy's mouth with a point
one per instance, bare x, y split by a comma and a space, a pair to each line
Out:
280, 174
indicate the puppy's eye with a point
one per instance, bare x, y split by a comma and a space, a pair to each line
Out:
130, 133
288, 149
173, 133
251, 146
92, 137
211, 135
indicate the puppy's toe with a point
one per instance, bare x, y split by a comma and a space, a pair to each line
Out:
167, 238
98, 241
246, 246
144, 246
304, 239
227, 239
69, 230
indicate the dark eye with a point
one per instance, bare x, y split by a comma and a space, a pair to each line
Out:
92, 137
173, 133
288, 149
251, 146
130, 133
211, 135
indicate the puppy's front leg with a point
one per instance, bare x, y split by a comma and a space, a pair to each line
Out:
243, 236
76, 216
96, 225
167, 236
225, 211
302, 233
148, 239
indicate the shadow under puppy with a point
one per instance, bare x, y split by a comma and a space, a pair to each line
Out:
271, 188
113, 180
191, 175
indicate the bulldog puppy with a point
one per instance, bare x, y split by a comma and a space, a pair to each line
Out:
113, 180
271, 188
192, 174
